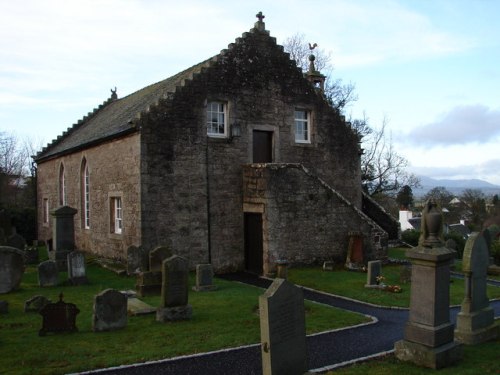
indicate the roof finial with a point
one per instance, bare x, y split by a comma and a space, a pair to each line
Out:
312, 46
260, 25
113, 94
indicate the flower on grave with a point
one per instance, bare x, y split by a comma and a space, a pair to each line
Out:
394, 288
379, 279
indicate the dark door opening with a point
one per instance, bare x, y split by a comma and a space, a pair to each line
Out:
253, 243
262, 147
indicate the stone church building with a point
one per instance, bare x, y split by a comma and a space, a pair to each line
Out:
238, 161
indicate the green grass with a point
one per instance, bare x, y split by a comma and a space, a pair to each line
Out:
477, 359
225, 318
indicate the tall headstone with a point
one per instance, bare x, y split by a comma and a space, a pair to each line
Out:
63, 235
58, 317
428, 336
110, 311
174, 291
157, 256
204, 278
48, 274
148, 283
374, 271
77, 274
135, 260
282, 329
11, 268
476, 320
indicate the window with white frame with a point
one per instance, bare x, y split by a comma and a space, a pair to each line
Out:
116, 215
302, 126
217, 119
85, 195
45, 210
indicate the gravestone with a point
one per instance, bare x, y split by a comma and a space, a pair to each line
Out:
137, 307
282, 269
328, 266
11, 268
4, 307
174, 291
451, 244
148, 283
63, 235
374, 271
157, 256
282, 329
48, 274
135, 260
110, 311
76, 268
428, 335
405, 274
204, 278
476, 320
36, 303
355, 258
58, 317
17, 241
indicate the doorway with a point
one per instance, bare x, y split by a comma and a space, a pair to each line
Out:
253, 243
262, 146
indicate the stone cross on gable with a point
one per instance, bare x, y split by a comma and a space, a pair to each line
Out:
260, 16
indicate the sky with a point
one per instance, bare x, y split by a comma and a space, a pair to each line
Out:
428, 69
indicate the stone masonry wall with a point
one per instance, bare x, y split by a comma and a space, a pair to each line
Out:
114, 172
304, 220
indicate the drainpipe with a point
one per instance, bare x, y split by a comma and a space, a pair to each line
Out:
209, 235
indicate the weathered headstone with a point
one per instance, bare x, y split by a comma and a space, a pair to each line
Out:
204, 278
148, 283
11, 268
137, 307
374, 271
135, 260
328, 266
36, 303
428, 336
476, 320
157, 256
174, 291
282, 329
282, 269
110, 311
48, 274
58, 317
76, 268
63, 235
405, 274
4, 307
17, 241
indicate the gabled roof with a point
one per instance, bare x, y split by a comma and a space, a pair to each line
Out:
115, 117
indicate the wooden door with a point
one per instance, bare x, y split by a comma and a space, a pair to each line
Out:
262, 147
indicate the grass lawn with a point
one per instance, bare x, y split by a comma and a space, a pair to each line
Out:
221, 319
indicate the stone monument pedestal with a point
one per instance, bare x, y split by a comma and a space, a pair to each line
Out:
471, 328
428, 337
171, 314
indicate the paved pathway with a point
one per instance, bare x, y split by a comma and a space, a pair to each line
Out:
325, 350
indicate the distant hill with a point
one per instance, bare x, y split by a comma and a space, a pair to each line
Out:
455, 187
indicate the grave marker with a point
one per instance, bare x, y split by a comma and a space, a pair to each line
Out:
58, 317
282, 329
476, 320
48, 274
36, 303
174, 291
17, 241
157, 256
76, 268
373, 273
110, 311
204, 278
11, 268
135, 260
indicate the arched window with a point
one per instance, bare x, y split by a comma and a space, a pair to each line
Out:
62, 186
85, 183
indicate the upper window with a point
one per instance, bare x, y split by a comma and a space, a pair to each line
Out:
62, 186
216, 119
45, 210
302, 126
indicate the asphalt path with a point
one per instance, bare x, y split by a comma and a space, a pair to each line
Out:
325, 350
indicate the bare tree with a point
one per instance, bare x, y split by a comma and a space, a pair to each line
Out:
338, 94
383, 170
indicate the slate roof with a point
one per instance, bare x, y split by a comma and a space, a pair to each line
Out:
114, 117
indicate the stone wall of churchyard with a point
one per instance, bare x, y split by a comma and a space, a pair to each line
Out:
113, 172
192, 184
304, 220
